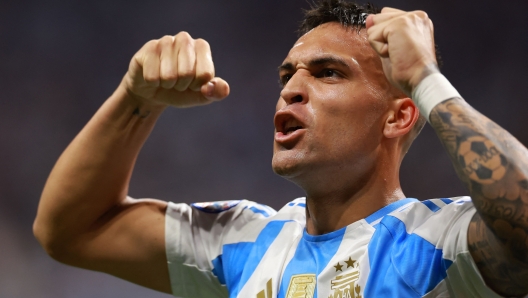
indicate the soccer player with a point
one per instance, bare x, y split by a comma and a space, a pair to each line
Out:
357, 88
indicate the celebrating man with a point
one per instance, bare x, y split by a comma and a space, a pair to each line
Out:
357, 88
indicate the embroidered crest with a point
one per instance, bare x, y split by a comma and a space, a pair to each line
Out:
215, 207
343, 285
301, 285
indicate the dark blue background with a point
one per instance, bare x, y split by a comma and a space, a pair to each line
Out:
61, 59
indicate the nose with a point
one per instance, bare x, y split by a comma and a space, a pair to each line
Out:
295, 89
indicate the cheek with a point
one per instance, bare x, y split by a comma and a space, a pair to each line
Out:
352, 123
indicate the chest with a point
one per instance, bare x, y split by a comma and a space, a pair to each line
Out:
295, 264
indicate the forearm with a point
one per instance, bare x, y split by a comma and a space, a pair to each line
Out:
494, 167
93, 173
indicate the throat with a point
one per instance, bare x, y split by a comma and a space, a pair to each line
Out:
329, 214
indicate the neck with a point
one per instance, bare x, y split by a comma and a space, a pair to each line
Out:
342, 202
333, 212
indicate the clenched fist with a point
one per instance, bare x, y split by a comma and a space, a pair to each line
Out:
175, 70
405, 42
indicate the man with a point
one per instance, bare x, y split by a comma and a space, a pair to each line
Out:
344, 121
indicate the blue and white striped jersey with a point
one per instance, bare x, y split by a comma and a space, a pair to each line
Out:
409, 248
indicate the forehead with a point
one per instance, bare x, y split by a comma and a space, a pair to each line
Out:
333, 38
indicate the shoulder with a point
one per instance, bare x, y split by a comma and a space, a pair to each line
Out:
420, 240
435, 224
418, 213
237, 213
438, 226
221, 209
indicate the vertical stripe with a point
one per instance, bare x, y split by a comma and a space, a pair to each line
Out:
311, 257
218, 269
239, 260
402, 264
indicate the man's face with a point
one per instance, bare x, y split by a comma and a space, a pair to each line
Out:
330, 112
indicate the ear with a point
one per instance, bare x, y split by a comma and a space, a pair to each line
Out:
401, 118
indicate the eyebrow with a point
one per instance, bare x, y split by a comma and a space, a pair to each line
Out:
316, 62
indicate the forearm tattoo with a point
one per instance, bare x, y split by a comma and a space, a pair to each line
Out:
141, 114
494, 167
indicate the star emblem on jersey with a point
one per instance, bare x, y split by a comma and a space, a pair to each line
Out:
344, 285
350, 262
338, 267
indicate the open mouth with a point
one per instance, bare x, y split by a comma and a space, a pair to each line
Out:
290, 126
286, 123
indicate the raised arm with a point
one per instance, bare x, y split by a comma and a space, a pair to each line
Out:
85, 218
494, 167
492, 164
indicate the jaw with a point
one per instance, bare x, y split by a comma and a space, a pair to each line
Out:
286, 162
317, 174
301, 167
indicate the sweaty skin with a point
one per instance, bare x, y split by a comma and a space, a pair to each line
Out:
347, 150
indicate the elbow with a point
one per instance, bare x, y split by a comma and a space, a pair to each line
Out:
54, 246
40, 233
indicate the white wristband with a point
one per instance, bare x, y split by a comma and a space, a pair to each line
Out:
431, 91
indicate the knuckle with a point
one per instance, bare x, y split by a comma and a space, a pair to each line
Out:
407, 21
421, 14
202, 43
186, 74
185, 43
205, 76
182, 36
169, 75
188, 45
151, 45
166, 40
151, 79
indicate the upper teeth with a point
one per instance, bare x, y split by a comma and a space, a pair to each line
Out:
291, 125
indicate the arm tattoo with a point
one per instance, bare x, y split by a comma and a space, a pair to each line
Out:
494, 167
141, 114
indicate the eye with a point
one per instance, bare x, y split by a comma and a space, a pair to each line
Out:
328, 73
283, 80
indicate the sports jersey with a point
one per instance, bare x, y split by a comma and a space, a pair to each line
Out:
409, 248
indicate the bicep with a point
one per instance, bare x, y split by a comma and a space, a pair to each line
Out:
501, 271
127, 242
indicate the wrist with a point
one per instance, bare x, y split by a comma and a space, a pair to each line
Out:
431, 91
125, 108
427, 70
137, 102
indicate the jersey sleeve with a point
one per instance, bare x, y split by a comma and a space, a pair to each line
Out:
445, 226
463, 277
194, 237
423, 248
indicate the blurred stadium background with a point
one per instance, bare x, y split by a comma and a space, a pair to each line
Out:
61, 59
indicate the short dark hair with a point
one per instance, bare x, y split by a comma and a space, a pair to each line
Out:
348, 14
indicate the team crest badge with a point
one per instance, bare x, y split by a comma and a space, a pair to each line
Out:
301, 285
215, 207
344, 285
